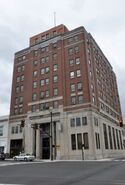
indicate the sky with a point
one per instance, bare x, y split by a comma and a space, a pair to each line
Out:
21, 19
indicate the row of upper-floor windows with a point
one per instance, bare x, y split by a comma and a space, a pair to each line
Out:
106, 109
16, 129
44, 106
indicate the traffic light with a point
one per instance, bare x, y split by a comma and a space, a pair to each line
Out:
22, 123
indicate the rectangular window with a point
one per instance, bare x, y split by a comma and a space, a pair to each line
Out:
42, 82
34, 96
71, 62
97, 138
105, 136
19, 69
20, 99
21, 88
35, 73
42, 71
17, 89
55, 67
80, 99
84, 121
73, 141
47, 69
78, 73
76, 49
72, 122
1, 130
35, 63
55, 91
34, 84
18, 79
42, 94
77, 61
96, 121
78, 122
42, 60
110, 137
72, 87
54, 56
70, 51
47, 93
118, 144
22, 78
79, 86
12, 130
120, 139
86, 140
72, 74
73, 100
114, 138
47, 81
79, 141
33, 108
55, 79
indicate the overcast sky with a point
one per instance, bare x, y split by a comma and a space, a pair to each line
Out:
21, 19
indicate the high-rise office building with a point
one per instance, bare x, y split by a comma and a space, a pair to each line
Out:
65, 96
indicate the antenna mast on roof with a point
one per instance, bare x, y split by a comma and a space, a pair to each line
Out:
55, 19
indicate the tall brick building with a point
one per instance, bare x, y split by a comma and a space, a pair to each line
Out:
64, 92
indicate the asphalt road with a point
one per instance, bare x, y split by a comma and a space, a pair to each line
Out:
63, 173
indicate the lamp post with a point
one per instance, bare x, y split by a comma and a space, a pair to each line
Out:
83, 151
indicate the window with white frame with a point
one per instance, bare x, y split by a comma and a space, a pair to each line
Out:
1, 130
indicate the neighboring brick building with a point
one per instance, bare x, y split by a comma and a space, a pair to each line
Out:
64, 86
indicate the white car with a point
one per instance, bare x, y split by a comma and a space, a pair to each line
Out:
24, 157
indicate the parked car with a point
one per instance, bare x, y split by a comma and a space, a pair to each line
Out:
24, 157
2, 156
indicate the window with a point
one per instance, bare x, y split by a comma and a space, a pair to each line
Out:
55, 67
120, 139
19, 69
70, 40
35, 53
47, 69
24, 57
21, 88
34, 84
55, 91
35, 73
78, 73
79, 86
20, 99
80, 99
23, 67
73, 100
47, 81
1, 130
55, 45
33, 108
105, 136
18, 79
15, 111
42, 94
47, 59
72, 74
20, 110
47, 93
86, 140
43, 49
76, 49
42, 82
54, 33
97, 139
79, 141
55, 104
117, 137
42, 60
55, 79
12, 130
17, 89
76, 38
73, 141
16, 100
34, 96
110, 137
70, 51
72, 122
42, 71
44, 106
78, 122
47, 48
71, 62
84, 121
114, 138
35, 63
22, 78
72, 87
77, 61
96, 121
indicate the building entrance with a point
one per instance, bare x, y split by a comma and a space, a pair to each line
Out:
46, 148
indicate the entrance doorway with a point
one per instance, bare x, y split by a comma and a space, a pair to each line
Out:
46, 148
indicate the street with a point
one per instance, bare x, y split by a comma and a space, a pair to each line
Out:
63, 173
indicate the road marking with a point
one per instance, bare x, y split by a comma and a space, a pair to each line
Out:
11, 184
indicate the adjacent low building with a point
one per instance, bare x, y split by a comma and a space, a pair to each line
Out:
4, 122
65, 102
